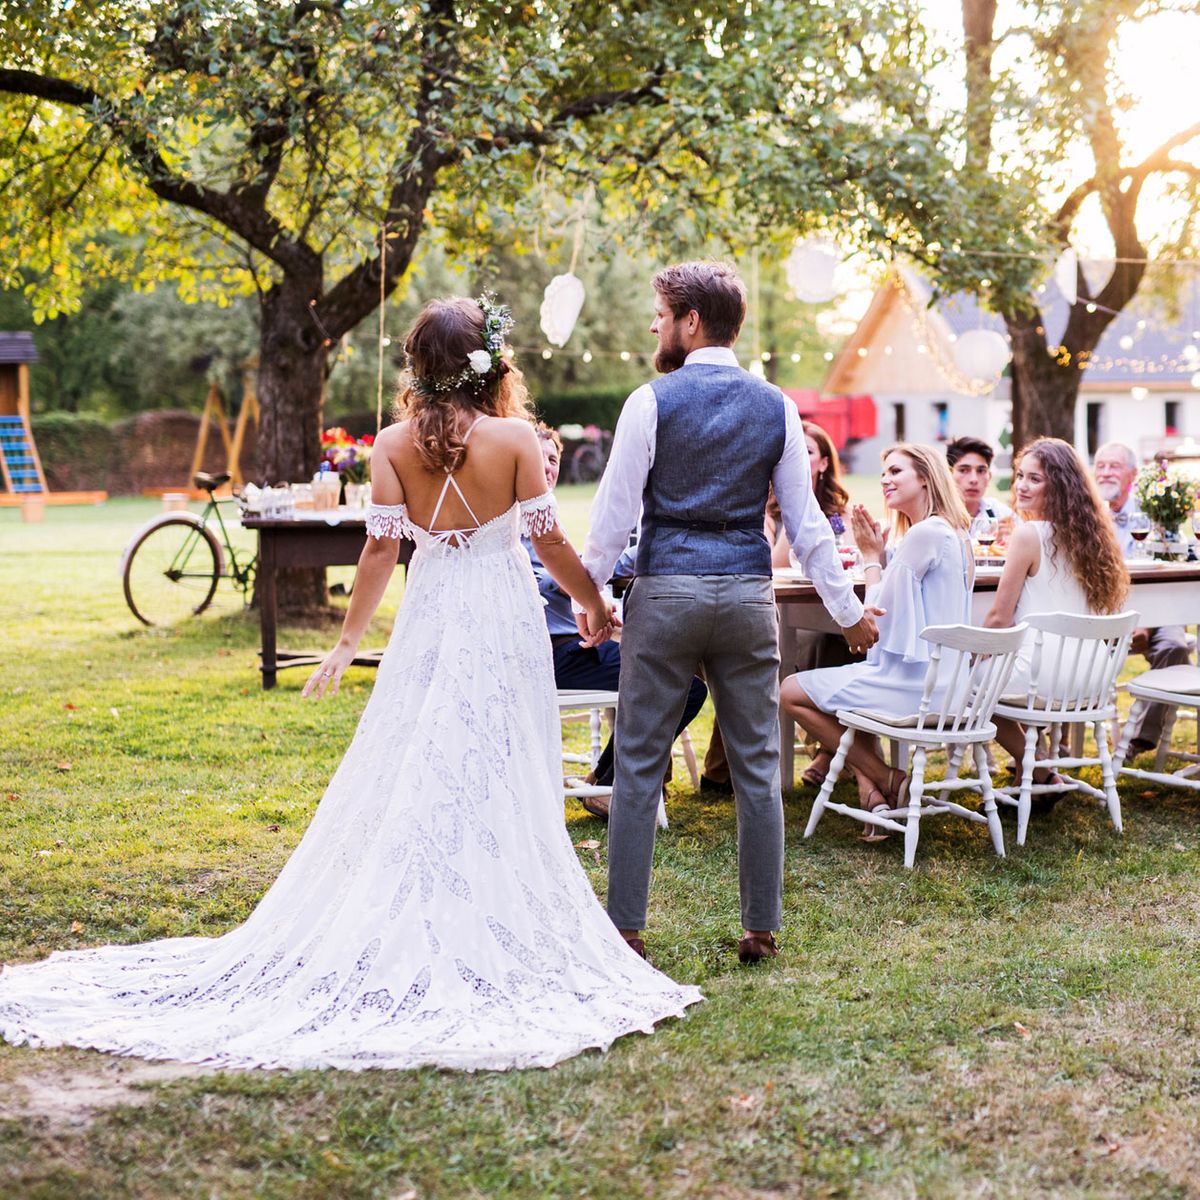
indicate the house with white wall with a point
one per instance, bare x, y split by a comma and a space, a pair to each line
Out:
1142, 386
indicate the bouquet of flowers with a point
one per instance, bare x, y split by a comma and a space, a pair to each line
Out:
349, 456
1165, 495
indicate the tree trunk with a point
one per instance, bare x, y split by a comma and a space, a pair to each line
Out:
291, 391
1044, 391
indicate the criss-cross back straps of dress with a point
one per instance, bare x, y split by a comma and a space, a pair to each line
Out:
445, 535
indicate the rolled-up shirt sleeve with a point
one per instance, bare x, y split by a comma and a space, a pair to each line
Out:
808, 528
618, 501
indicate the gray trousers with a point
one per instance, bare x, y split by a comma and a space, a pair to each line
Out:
1168, 648
728, 625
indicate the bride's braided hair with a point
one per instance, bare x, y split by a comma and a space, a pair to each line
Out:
437, 347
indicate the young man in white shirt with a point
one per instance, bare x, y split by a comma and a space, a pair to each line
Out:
970, 463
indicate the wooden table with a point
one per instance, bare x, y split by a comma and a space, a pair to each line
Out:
1162, 593
332, 539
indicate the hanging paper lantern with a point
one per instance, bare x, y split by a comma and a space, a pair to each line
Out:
1066, 275
561, 303
810, 268
981, 354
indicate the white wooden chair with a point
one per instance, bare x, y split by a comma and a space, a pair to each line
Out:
597, 704
1177, 687
973, 666
1082, 663
683, 749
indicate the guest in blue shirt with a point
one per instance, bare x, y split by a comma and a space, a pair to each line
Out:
576, 666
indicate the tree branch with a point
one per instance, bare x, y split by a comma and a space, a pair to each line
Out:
250, 221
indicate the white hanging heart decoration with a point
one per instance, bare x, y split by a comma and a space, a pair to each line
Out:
561, 302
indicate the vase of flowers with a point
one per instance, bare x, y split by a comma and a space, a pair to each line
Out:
350, 457
1167, 497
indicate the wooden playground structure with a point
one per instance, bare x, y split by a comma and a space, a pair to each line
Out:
20, 465
214, 414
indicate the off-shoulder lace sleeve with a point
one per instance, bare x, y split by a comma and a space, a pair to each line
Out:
538, 515
386, 520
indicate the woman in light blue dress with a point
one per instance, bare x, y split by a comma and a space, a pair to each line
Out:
926, 580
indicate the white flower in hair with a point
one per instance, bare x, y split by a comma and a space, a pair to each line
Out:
480, 361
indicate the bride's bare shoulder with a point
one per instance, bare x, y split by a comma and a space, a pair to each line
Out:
394, 435
513, 430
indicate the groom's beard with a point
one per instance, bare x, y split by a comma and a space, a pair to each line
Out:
670, 357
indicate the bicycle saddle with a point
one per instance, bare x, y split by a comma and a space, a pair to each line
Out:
209, 483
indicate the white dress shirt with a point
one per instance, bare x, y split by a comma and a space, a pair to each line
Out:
618, 502
1120, 520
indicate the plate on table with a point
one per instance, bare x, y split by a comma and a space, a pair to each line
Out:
989, 562
1144, 564
789, 574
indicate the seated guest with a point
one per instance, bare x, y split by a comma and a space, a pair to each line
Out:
577, 666
970, 463
927, 581
1063, 557
822, 649
826, 470
1115, 468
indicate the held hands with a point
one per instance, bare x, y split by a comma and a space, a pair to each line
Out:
861, 637
328, 676
596, 625
868, 535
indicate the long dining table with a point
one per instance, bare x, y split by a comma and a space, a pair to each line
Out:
1161, 593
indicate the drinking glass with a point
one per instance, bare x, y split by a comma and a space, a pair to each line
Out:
1139, 530
985, 531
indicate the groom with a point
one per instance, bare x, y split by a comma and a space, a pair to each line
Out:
695, 451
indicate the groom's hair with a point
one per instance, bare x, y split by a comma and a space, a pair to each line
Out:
713, 289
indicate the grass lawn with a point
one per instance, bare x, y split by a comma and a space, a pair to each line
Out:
1025, 1027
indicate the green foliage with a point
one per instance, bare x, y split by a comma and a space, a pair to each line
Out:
224, 146
78, 447
582, 408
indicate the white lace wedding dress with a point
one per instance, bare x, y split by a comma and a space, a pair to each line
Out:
435, 912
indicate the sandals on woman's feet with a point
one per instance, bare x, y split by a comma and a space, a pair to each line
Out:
814, 774
872, 833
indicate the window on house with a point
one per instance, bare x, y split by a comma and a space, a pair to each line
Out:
1095, 415
901, 434
941, 421
1171, 417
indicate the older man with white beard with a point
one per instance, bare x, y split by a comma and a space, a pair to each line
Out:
1115, 468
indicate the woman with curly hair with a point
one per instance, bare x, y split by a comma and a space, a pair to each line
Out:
1063, 557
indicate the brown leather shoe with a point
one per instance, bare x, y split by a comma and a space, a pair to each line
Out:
637, 946
754, 948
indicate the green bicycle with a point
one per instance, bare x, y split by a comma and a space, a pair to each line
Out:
172, 565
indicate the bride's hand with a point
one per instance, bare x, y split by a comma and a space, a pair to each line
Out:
328, 675
597, 624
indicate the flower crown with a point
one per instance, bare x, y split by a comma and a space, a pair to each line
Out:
483, 366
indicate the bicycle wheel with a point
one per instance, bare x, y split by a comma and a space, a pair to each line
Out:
587, 463
171, 572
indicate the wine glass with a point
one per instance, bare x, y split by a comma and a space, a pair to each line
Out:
1139, 530
985, 530
1196, 523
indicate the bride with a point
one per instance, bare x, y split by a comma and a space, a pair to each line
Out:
434, 912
